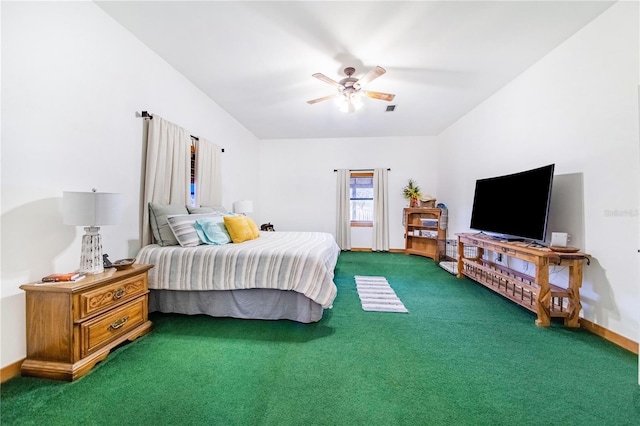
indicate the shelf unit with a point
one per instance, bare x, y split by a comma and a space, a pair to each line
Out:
534, 293
422, 232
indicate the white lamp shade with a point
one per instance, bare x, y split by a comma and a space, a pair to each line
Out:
245, 206
91, 208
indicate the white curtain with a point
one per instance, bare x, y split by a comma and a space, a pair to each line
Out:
380, 210
167, 168
208, 173
343, 216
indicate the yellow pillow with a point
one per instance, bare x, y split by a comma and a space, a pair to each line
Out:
238, 228
254, 228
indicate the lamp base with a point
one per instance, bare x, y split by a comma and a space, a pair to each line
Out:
91, 257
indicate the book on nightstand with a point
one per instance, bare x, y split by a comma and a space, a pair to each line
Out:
69, 277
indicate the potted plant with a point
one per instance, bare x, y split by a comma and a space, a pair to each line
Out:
411, 192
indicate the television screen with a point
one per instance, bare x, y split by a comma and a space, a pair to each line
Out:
515, 205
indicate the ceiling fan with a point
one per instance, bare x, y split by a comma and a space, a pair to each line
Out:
350, 89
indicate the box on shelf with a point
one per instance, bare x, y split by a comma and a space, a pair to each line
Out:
429, 234
428, 222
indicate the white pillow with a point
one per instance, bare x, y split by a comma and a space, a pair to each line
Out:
184, 230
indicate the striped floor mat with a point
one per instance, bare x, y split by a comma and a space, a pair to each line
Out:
377, 295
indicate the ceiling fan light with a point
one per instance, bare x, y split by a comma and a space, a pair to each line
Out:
349, 101
346, 106
356, 100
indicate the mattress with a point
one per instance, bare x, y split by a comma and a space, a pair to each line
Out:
303, 262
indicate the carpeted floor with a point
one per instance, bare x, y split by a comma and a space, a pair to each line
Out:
461, 356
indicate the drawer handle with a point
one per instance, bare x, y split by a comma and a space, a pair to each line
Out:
118, 293
118, 323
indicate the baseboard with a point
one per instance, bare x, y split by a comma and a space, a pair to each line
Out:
609, 335
10, 371
368, 249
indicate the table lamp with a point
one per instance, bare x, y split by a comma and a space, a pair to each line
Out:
92, 210
243, 207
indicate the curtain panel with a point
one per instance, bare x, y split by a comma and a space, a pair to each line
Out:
208, 173
167, 168
343, 211
380, 210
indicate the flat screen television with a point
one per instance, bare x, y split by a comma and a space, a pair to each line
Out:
514, 206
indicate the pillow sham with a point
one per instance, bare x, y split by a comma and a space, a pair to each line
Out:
207, 209
162, 233
183, 228
238, 228
211, 230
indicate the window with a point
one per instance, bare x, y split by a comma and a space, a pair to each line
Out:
361, 198
193, 175
204, 164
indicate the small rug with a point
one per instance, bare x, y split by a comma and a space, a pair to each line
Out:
377, 295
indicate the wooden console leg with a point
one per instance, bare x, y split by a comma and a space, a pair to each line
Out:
543, 302
460, 257
575, 282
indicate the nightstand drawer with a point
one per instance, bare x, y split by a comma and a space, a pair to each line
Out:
107, 296
97, 332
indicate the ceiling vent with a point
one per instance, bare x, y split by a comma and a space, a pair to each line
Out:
391, 108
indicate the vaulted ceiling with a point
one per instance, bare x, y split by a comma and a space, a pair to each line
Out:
443, 58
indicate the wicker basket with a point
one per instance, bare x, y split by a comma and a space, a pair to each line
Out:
428, 204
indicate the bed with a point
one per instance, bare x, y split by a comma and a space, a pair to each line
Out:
280, 275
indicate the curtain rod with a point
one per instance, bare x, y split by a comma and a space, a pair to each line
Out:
148, 116
360, 170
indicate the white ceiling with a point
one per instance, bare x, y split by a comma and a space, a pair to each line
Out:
255, 59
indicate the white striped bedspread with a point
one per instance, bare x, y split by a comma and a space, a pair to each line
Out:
300, 261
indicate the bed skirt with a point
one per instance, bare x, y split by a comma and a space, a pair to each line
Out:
257, 303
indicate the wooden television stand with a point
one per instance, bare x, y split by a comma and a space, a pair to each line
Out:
534, 293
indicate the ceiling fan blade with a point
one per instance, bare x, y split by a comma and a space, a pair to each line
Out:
371, 75
325, 98
326, 79
379, 95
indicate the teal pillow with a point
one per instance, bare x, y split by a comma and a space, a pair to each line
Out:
211, 230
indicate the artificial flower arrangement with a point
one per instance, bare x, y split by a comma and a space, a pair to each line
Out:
412, 192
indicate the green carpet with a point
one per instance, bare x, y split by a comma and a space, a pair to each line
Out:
461, 356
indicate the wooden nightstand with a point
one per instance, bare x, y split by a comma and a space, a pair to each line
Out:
73, 326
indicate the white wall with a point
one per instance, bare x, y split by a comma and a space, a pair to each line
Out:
298, 185
577, 108
72, 81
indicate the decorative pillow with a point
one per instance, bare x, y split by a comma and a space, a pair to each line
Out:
254, 228
207, 209
158, 220
211, 230
183, 227
238, 228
